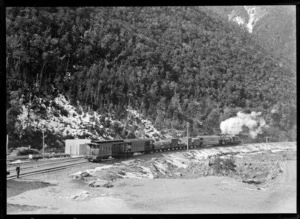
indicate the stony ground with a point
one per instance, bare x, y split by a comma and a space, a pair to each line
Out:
213, 180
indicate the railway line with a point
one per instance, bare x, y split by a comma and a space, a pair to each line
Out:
32, 168
35, 164
45, 166
38, 168
11, 158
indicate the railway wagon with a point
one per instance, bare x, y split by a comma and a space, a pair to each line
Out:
174, 143
162, 145
141, 145
101, 149
229, 140
166, 144
210, 140
197, 143
186, 142
121, 149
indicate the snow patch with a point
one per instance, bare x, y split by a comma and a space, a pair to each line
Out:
239, 20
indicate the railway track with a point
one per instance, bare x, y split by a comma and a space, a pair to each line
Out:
36, 164
45, 168
35, 156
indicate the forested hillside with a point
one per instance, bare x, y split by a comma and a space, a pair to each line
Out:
172, 64
273, 26
277, 32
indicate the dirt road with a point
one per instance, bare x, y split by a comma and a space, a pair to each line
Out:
283, 196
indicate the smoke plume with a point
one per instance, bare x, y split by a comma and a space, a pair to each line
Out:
234, 125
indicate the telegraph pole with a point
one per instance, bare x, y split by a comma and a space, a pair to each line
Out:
6, 147
187, 134
43, 131
43, 141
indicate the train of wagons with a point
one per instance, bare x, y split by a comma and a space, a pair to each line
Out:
103, 149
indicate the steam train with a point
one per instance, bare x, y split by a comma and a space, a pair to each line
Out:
103, 149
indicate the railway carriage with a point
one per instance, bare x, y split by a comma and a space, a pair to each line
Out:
174, 143
167, 144
229, 140
141, 145
100, 149
186, 141
162, 145
122, 149
209, 140
196, 143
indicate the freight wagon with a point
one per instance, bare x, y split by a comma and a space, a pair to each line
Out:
211, 140
121, 149
140, 145
197, 143
229, 140
186, 142
131, 146
174, 143
162, 145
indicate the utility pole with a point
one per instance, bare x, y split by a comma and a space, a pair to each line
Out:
187, 134
43, 131
7, 147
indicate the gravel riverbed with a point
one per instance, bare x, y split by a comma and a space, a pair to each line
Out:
257, 178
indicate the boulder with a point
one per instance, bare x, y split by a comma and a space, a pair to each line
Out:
85, 174
252, 181
178, 174
122, 173
108, 185
80, 196
80, 175
100, 183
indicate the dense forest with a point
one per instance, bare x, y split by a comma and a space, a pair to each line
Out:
173, 64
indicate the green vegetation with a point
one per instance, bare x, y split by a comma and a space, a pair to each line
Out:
174, 64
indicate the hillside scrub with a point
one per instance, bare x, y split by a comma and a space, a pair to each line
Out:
173, 64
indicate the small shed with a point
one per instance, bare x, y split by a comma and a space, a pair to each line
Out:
76, 146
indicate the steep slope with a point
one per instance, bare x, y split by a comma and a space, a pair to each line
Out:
273, 26
173, 64
277, 32
60, 120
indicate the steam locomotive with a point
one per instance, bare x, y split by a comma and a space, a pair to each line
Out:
120, 148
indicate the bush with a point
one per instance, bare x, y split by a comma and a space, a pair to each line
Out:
27, 151
223, 165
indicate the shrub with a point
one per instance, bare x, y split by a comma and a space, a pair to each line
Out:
223, 165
